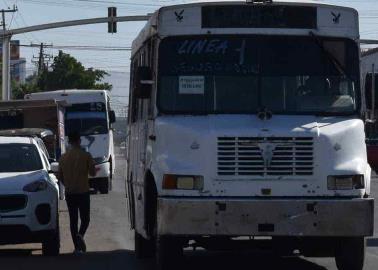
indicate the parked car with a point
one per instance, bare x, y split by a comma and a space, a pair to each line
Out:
29, 195
47, 142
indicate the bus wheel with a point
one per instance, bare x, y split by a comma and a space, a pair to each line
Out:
143, 248
104, 185
350, 253
169, 252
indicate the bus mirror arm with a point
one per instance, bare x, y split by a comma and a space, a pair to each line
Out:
148, 82
112, 116
373, 82
370, 87
370, 121
144, 82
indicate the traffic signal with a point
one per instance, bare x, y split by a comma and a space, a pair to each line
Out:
112, 26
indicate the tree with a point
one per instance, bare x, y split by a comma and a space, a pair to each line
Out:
68, 73
20, 90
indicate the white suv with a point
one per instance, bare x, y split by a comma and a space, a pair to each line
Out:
29, 195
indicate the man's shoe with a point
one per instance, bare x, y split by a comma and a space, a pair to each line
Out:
77, 252
81, 243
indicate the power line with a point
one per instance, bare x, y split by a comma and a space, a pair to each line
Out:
3, 11
30, 36
43, 59
101, 2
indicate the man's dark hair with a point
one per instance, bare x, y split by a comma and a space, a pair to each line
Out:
74, 137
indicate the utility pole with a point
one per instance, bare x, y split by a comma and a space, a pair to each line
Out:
3, 11
6, 56
43, 59
40, 59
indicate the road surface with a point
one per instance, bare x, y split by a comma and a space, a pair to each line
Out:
110, 244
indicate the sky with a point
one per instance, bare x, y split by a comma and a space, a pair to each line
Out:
34, 12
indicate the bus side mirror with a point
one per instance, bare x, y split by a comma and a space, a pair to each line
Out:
112, 117
143, 83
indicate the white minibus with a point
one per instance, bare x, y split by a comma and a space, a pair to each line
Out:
89, 113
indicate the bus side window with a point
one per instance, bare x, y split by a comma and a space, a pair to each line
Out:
141, 109
368, 90
152, 64
133, 104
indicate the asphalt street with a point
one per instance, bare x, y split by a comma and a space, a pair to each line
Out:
110, 244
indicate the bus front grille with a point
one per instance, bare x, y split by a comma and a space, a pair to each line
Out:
265, 156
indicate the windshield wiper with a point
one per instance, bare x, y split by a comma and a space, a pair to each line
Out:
330, 56
333, 113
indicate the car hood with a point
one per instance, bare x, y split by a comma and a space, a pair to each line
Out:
17, 180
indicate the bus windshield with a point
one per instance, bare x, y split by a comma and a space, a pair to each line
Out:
244, 74
87, 119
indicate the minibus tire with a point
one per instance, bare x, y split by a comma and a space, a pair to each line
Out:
350, 253
144, 248
169, 253
111, 175
103, 186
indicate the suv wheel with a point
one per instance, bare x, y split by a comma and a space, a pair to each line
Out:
51, 244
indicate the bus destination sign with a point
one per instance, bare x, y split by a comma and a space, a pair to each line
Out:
279, 16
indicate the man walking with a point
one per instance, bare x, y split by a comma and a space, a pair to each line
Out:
74, 167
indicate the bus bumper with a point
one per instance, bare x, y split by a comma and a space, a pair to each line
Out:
265, 217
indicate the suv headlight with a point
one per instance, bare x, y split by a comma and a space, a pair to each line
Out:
36, 186
346, 182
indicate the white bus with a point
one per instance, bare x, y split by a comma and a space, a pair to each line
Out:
246, 120
89, 113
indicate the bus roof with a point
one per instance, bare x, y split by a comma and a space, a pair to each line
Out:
72, 96
29, 104
332, 20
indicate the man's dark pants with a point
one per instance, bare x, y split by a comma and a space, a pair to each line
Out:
78, 204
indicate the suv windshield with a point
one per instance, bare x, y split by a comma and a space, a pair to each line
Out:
244, 74
19, 157
87, 118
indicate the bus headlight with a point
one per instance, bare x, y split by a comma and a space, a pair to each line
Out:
346, 182
184, 182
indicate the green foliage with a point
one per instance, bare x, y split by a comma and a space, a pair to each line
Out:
20, 90
66, 73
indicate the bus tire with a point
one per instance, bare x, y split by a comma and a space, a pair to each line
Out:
144, 248
169, 253
350, 253
104, 185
